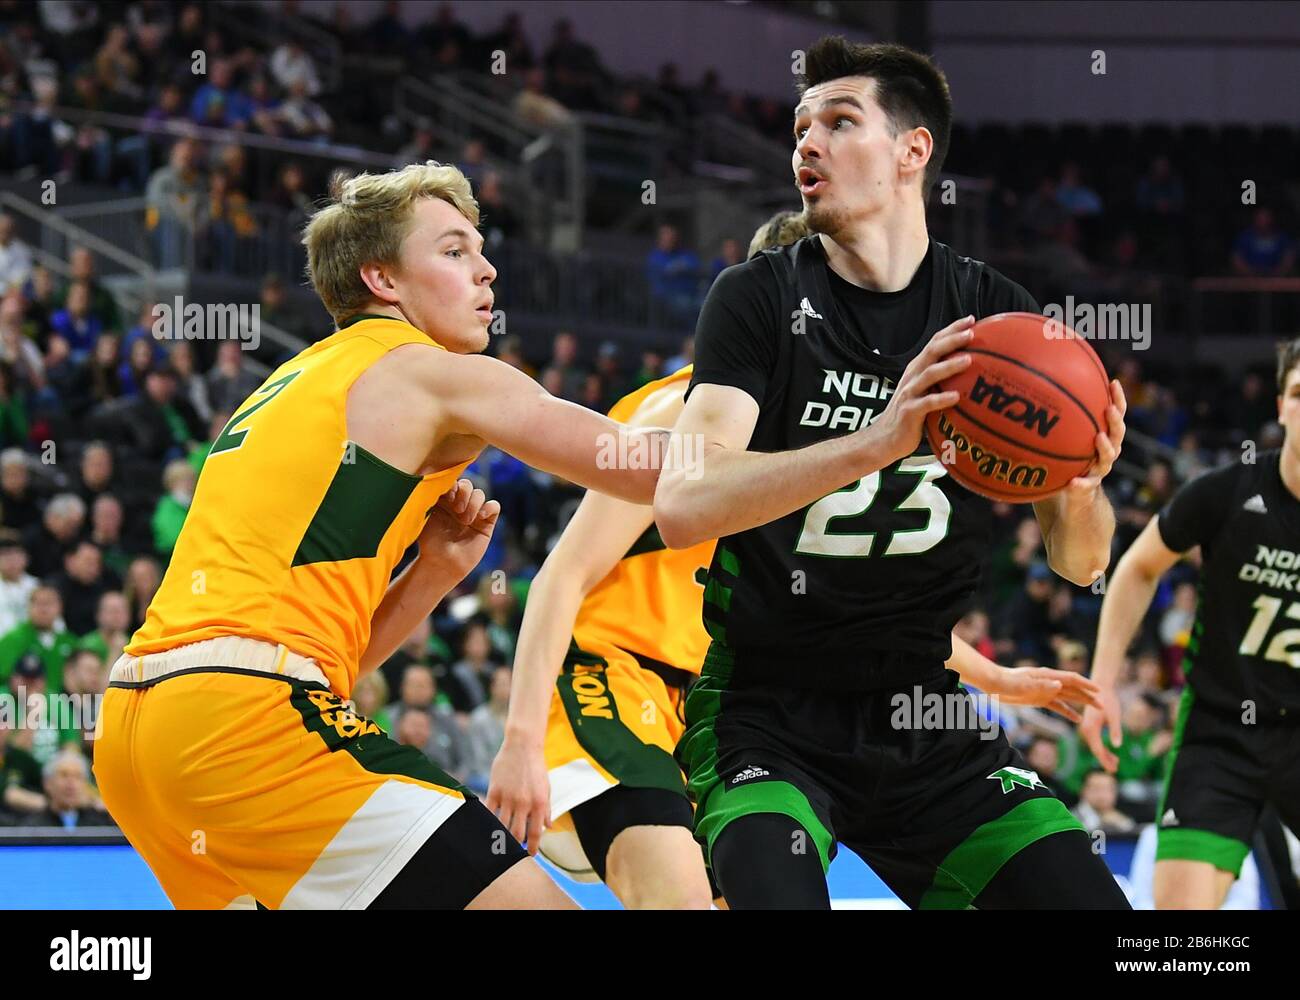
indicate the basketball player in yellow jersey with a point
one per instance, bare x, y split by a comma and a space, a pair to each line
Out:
226, 751
611, 638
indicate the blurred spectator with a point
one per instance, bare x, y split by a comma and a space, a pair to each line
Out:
533, 106
419, 149
303, 117
142, 579
682, 358
564, 366
97, 379
112, 619
108, 531
1041, 214
467, 681
16, 584
76, 324
18, 502
473, 161
729, 254
174, 196
1176, 622
16, 350
1253, 406
81, 583
15, 258
1160, 190
499, 220
1026, 623
1097, 805
42, 635
61, 525
1073, 195
1263, 250
673, 273
82, 268
369, 697
487, 730
291, 66
225, 222
229, 383
158, 425
71, 803
85, 676
21, 791
217, 103
275, 309
1043, 755
190, 385
445, 745
179, 480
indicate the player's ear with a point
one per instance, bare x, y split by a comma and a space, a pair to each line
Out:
378, 278
917, 152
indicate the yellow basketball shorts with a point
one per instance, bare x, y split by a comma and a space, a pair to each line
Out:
615, 720
241, 789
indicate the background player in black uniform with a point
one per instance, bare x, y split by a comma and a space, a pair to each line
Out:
828, 602
1237, 739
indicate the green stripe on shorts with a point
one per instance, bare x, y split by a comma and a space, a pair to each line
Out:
593, 715
1225, 853
716, 805
969, 866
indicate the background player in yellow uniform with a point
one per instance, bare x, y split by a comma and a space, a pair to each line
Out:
226, 752
612, 637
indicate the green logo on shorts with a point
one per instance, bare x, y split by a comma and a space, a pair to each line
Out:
1012, 776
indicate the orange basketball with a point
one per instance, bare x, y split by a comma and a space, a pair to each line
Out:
1032, 402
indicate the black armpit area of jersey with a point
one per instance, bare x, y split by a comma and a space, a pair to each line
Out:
735, 335
1195, 513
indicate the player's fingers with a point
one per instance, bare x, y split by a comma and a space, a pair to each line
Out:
488, 513
459, 495
937, 372
932, 401
941, 344
1116, 425
536, 823
1117, 396
1064, 710
473, 504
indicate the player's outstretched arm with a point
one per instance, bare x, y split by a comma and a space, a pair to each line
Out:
486, 398
1059, 691
598, 535
723, 489
453, 541
1128, 596
1078, 522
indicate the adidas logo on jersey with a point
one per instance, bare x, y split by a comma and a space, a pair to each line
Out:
806, 308
1255, 504
1169, 819
750, 772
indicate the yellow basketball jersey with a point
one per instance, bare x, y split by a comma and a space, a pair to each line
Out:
294, 531
650, 603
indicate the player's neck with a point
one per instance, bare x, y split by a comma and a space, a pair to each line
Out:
880, 255
1290, 467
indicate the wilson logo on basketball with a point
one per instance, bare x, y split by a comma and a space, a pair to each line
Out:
1016, 408
990, 464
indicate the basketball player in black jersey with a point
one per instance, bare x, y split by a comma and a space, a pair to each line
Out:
1237, 739
846, 553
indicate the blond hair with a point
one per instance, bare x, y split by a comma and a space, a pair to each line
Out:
368, 217
781, 230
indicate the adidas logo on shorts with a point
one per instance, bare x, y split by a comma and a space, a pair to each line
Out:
749, 772
1169, 819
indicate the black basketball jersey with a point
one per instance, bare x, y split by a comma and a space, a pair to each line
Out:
1245, 643
864, 585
